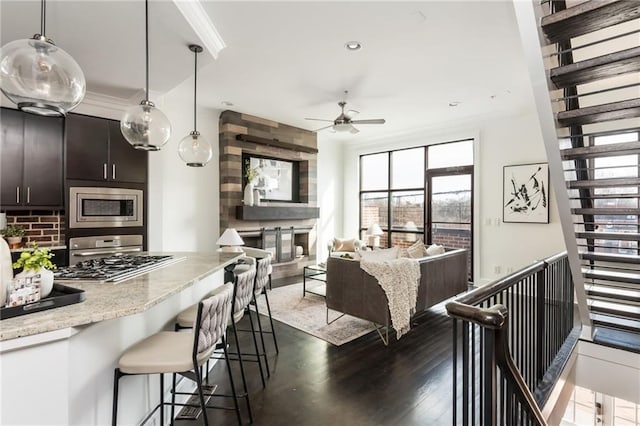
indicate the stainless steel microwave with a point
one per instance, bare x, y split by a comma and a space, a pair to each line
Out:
91, 207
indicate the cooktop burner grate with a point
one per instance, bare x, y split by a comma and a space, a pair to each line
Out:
113, 268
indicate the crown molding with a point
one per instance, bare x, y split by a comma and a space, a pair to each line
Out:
195, 15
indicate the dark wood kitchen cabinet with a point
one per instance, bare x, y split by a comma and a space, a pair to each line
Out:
96, 150
31, 169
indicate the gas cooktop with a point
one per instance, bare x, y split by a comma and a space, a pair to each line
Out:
111, 269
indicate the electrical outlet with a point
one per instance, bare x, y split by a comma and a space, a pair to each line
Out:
497, 269
496, 221
510, 270
488, 221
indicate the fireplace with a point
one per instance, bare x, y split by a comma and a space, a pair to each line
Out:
285, 221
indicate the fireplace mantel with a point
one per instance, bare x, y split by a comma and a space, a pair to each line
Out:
276, 212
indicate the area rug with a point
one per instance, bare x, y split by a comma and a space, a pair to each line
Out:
308, 314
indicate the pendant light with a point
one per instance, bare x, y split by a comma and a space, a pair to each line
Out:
194, 149
38, 76
144, 126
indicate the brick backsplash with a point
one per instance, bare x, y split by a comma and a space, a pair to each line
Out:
44, 227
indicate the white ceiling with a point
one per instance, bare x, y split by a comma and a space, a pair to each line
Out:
285, 61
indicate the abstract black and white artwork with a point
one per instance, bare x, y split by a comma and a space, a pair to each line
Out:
526, 193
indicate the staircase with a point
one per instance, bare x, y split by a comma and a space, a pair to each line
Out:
592, 57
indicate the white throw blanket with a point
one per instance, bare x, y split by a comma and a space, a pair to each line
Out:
399, 278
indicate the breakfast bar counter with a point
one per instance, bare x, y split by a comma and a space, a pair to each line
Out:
57, 365
105, 301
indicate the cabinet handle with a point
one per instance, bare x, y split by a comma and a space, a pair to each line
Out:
17, 195
104, 171
28, 194
113, 171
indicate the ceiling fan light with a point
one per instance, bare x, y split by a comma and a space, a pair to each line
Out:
40, 77
195, 150
342, 127
145, 127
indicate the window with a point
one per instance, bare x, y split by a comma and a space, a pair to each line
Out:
419, 193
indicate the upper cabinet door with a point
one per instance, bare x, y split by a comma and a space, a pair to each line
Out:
126, 163
11, 160
43, 159
87, 148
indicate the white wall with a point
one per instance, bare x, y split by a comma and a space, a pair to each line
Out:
500, 141
330, 193
184, 201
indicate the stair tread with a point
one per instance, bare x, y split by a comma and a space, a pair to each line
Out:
588, 17
608, 320
623, 236
598, 113
619, 308
593, 69
598, 151
606, 210
614, 292
611, 257
628, 277
603, 183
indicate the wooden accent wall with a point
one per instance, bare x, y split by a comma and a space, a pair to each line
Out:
231, 168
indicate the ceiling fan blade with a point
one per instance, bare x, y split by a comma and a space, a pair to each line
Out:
371, 121
351, 113
322, 128
319, 119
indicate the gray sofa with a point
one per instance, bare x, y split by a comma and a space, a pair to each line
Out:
353, 291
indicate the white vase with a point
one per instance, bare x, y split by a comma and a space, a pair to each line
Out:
257, 198
45, 277
248, 195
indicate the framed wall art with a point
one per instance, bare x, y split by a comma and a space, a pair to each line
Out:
526, 193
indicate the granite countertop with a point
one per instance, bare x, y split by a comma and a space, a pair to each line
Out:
114, 300
56, 246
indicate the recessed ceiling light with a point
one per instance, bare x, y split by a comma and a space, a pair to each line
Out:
454, 103
227, 103
353, 45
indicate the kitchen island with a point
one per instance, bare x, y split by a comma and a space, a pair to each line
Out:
57, 365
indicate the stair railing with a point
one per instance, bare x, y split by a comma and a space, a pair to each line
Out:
506, 336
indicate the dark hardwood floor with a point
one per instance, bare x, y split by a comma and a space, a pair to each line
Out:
360, 383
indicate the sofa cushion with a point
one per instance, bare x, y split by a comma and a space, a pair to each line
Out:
435, 249
417, 250
380, 255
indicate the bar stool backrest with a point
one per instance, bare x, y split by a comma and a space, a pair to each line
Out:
263, 269
212, 319
243, 292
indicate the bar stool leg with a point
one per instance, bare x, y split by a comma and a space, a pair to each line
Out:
203, 405
173, 398
233, 387
273, 331
264, 348
161, 399
255, 345
244, 380
116, 379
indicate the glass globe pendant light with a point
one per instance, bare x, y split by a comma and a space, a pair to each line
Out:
144, 126
38, 76
194, 149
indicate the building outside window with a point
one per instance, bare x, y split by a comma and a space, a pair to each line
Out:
421, 193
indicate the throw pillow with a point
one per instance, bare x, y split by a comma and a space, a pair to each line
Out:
380, 255
417, 250
435, 249
344, 245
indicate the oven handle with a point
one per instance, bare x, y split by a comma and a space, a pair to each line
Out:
110, 251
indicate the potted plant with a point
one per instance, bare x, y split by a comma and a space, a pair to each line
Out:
36, 263
13, 235
250, 173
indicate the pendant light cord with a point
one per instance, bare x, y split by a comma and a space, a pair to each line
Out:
146, 33
195, 88
43, 11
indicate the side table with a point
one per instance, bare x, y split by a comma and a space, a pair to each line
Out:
315, 273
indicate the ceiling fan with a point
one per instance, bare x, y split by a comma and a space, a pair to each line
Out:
345, 122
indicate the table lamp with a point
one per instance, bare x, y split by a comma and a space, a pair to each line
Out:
230, 241
374, 231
